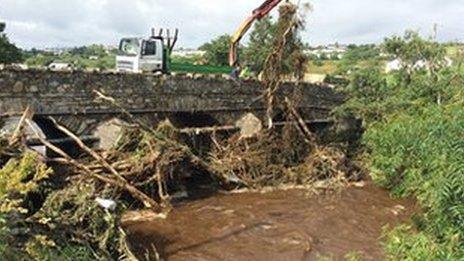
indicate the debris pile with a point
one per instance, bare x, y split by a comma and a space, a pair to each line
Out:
77, 207
287, 42
288, 155
80, 204
275, 159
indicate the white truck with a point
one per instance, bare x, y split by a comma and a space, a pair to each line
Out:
137, 54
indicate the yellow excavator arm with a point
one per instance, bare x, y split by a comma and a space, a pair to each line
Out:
258, 13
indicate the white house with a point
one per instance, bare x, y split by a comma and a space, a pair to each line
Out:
393, 65
397, 64
331, 51
20, 66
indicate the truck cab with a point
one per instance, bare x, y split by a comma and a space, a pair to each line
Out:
137, 55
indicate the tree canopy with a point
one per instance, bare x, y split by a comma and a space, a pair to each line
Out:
261, 41
9, 53
264, 37
217, 51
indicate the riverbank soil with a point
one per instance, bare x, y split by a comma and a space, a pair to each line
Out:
278, 225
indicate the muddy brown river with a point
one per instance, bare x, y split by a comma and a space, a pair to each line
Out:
279, 225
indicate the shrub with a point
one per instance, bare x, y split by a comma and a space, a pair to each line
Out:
414, 122
420, 154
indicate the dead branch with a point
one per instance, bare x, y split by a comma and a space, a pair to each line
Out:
121, 183
301, 123
193, 158
123, 110
27, 114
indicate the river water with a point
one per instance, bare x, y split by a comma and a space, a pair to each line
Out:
279, 225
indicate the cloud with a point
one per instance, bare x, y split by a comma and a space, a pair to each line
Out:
371, 21
41, 23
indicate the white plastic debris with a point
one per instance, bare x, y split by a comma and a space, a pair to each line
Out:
106, 203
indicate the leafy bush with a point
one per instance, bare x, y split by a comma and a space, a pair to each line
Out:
20, 177
414, 138
420, 154
403, 243
358, 57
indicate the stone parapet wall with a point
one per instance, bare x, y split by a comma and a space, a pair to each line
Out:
72, 93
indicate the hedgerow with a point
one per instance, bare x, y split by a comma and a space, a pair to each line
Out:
414, 143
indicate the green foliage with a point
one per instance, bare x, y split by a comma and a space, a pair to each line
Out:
403, 243
368, 90
361, 52
415, 122
40, 60
9, 53
76, 226
41, 248
261, 43
359, 57
18, 178
193, 59
91, 50
412, 48
80, 57
263, 38
203, 69
420, 153
217, 51
68, 226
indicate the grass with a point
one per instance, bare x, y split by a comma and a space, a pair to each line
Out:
204, 69
327, 67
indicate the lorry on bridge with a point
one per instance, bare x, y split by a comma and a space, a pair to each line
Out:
153, 54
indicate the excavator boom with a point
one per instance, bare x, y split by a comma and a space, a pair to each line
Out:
258, 13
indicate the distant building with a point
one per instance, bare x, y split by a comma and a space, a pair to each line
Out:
331, 51
397, 64
57, 50
393, 65
59, 66
20, 66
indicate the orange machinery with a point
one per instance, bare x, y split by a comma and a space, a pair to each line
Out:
258, 13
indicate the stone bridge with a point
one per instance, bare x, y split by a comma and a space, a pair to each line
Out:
188, 101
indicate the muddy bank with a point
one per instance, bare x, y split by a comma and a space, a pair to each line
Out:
282, 225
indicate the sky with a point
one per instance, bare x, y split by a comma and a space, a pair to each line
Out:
66, 23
